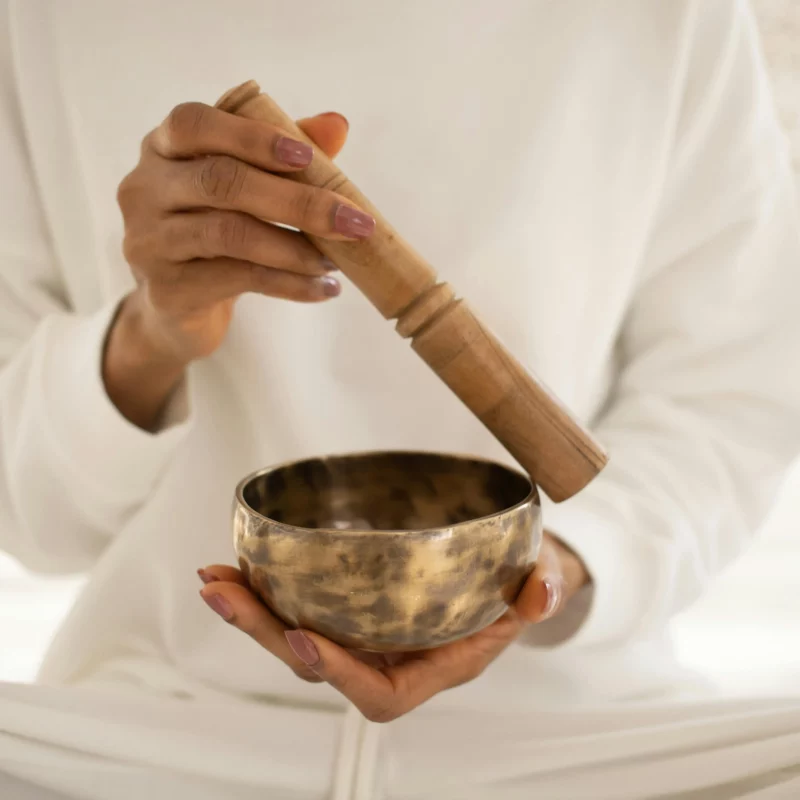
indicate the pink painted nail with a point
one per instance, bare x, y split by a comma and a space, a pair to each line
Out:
216, 602
292, 152
351, 222
554, 591
303, 647
330, 286
206, 577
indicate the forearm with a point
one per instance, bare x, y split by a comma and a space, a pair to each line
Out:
139, 374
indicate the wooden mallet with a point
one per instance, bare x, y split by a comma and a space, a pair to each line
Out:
559, 454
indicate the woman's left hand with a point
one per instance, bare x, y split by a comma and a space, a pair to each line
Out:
386, 686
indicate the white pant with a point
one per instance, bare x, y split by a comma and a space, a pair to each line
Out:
101, 744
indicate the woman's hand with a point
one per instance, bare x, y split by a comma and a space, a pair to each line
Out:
198, 210
384, 687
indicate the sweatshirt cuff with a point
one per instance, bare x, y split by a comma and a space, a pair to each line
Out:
613, 606
93, 438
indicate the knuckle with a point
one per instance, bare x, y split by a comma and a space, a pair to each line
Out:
173, 237
251, 140
306, 257
259, 278
127, 193
220, 178
227, 232
147, 142
308, 206
140, 193
131, 249
138, 247
145, 245
184, 124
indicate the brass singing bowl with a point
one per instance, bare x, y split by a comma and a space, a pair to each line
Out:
388, 551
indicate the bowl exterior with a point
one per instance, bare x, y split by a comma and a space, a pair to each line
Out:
390, 591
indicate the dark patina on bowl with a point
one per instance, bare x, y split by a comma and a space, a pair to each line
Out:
388, 551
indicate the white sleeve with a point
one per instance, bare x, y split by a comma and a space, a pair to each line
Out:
72, 469
704, 417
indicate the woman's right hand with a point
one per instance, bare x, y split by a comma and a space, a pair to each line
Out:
198, 210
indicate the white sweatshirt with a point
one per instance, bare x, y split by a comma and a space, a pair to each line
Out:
606, 184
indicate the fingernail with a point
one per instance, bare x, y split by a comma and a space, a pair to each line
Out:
330, 286
206, 577
216, 602
303, 647
351, 222
553, 589
292, 152
328, 265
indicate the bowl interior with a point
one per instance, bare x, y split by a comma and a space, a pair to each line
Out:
384, 491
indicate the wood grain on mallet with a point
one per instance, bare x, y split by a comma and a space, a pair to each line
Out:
560, 455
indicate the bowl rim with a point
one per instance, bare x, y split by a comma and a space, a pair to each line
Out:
531, 498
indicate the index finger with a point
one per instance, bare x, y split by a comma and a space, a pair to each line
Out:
196, 129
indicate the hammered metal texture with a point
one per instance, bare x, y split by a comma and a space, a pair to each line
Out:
388, 551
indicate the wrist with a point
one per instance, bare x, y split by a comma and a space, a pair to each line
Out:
139, 371
141, 339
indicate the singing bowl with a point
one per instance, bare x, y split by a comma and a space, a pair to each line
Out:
388, 551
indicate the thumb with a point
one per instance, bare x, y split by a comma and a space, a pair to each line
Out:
328, 131
543, 594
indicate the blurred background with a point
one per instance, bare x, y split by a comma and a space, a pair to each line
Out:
744, 634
